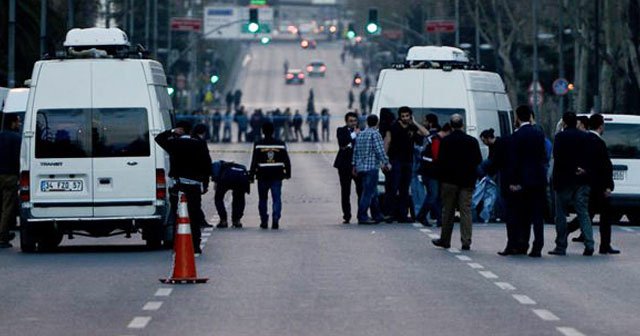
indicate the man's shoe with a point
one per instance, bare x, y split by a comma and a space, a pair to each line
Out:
466, 247
197, 250
557, 252
222, 225
535, 254
440, 243
578, 239
405, 220
346, 221
367, 222
388, 219
426, 223
275, 225
608, 250
587, 252
507, 252
264, 225
5, 244
237, 224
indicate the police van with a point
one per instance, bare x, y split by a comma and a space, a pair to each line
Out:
89, 165
442, 81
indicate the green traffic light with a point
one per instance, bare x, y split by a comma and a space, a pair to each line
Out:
351, 34
372, 28
253, 27
215, 79
265, 40
170, 91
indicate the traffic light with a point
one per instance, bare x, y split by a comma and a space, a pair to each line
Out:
214, 79
170, 90
254, 24
372, 23
265, 40
351, 32
304, 44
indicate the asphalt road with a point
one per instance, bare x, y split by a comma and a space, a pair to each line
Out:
316, 276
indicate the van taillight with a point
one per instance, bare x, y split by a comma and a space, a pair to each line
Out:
161, 185
24, 187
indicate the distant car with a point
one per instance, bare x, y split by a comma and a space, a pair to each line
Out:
313, 44
294, 76
316, 68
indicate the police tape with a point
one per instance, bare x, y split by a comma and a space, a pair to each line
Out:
244, 151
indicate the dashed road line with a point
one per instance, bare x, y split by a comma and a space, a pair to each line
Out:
434, 236
206, 234
546, 315
139, 322
523, 299
475, 265
505, 286
627, 229
425, 230
417, 225
463, 258
152, 305
454, 250
568, 331
204, 240
488, 274
163, 292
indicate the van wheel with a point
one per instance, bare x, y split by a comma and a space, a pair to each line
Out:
50, 239
27, 243
152, 234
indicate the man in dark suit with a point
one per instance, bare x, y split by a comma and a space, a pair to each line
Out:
527, 180
346, 136
457, 163
571, 169
601, 183
190, 170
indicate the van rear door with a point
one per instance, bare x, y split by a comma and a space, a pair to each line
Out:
123, 164
61, 164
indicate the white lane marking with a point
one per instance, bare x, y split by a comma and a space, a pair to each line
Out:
475, 265
163, 292
152, 305
505, 285
247, 59
139, 322
546, 315
434, 236
463, 258
207, 230
425, 230
417, 225
206, 234
523, 299
454, 250
488, 274
204, 240
627, 229
568, 331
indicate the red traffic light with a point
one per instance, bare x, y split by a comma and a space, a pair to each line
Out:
304, 44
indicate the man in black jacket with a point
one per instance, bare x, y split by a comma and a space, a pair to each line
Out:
270, 164
571, 169
9, 169
190, 170
457, 163
527, 181
346, 136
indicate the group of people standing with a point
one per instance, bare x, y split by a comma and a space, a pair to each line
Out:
192, 169
450, 164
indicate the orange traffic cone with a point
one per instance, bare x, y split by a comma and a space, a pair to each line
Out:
184, 264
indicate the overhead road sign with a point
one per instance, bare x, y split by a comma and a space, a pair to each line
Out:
186, 24
440, 26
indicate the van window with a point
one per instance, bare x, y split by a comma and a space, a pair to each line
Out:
505, 125
4, 125
623, 140
121, 132
165, 106
63, 133
444, 114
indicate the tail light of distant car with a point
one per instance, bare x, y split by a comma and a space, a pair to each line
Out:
301, 75
323, 68
24, 190
309, 68
161, 185
289, 76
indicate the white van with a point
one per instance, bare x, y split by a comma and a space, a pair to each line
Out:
89, 164
14, 103
441, 80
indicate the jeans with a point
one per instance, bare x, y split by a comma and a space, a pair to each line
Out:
237, 204
346, 176
432, 203
579, 197
8, 202
453, 197
418, 193
397, 196
264, 186
369, 196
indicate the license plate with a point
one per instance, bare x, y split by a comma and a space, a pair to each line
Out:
61, 185
619, 175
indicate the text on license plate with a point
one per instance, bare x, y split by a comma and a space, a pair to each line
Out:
619, 175
61, 185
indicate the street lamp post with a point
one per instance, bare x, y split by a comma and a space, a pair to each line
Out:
535, 58
43, 26
596, 97
11, 71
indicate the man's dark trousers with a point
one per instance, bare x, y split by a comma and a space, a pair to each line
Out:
237, 203
396, 199
264, 185
530, 210
346, 176
598, 204
194, 207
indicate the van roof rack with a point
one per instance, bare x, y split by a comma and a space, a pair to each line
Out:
444, 65
98, 43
